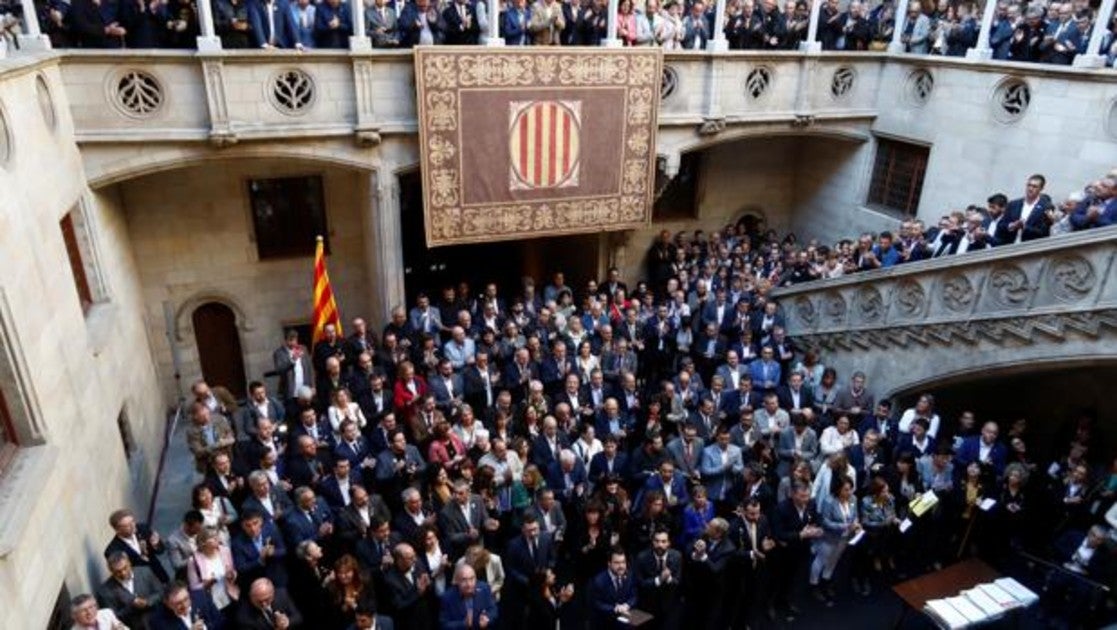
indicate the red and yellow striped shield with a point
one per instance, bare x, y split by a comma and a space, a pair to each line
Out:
543, 144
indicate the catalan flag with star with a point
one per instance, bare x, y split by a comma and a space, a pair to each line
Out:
325, 307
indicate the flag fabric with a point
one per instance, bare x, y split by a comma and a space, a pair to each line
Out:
325, 307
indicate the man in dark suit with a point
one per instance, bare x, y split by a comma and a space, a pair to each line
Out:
610, 461
795, 525
258, 550
567, 477
268, 606
479, 384
462, 28
658, 577
259, 405
273, 24
131, 592
1031, 216
463, 519
468, 603
311, 519
743, 396
518, 375
996, 225
529, 553
223, 482
795, 397
984, 449
399, 466
752, 535
182, 608
409, 591
137, 541
354, 520
612, 593
354, 447
447, 388
869, 458
708, 591
305, 467
270, 501
292, 364
671, 483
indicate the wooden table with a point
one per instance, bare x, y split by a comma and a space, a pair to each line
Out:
946, 582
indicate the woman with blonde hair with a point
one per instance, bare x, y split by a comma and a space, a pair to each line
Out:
487, 565
211, 569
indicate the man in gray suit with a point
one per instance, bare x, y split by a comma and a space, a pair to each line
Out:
797, 441
292, 365
686, 452
381, 24
131, 592
463, 519
917, 30
549, 514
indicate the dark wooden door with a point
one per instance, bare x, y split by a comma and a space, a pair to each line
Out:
215, 330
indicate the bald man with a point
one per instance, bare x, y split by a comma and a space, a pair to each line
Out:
268, 607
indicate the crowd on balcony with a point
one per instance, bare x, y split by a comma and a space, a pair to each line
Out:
559, 457
1036, 32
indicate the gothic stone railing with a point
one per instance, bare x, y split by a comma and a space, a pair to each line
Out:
1011, 294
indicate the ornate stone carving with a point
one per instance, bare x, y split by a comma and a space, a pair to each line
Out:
757, 82
957, 293
136, 93
920, 85
292, 91
669, 84
909, 298
1011, 98
1071, 278
1000, 331
805, 311
870, 305
1009, 287
834, 307
711, 126
802, 120
841, 84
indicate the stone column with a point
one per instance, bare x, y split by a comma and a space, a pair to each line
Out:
383, 243
982, 51
611, 40
359, 41
717, 42
812, 45
1091, 57
494, 38
33, 39
897, 46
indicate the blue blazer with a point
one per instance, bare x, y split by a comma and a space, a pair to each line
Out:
604, 597
678, 489
756, 371
326, 37
1037, 226
598, 466
556, 479
970, 451
245, 556
296, 527
285, 31
454, 608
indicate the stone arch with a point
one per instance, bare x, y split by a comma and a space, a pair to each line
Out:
671, 145
140, 163
184, 327
1006, 367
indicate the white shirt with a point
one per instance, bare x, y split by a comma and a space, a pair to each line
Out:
909, 416
1025, 214
343, 485
298, 377
983, 451
266, 502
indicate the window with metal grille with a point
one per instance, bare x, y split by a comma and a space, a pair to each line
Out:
77, 265
287, 214
898, 171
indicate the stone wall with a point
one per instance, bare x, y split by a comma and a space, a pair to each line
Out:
66, 376
193, 238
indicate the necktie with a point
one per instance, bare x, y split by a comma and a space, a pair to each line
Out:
531, 548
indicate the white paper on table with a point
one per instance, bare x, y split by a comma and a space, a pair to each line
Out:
999, 595
905, 525
987, 504
943, 611
856, 538
968, 610
983, 601
1023, 594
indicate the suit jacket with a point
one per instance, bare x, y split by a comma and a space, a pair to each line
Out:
785, 449
604, 596
251, 618
473, 387
454, 609
196, 440
453, 525
556, 516
145, 585
676, 448
143, 532
279, 501
739, 534
614, 364
970, 451
520, 565
248, 561
758, 370
654, 595
281, 358
351, 527
541, 453
1036, 225
411, 609
718, 477
678, 490
201, 607
285, 36
514, 26
806, 398
249, 414
599, 466
733, 401
299, 525
556, 480
443, 400
787, 523
457, 31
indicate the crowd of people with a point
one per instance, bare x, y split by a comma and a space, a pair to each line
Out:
1022, 31
573, 457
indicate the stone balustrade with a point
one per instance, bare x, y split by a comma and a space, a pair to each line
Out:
1007, 305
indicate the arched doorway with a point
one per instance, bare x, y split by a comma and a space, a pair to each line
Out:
215, 331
